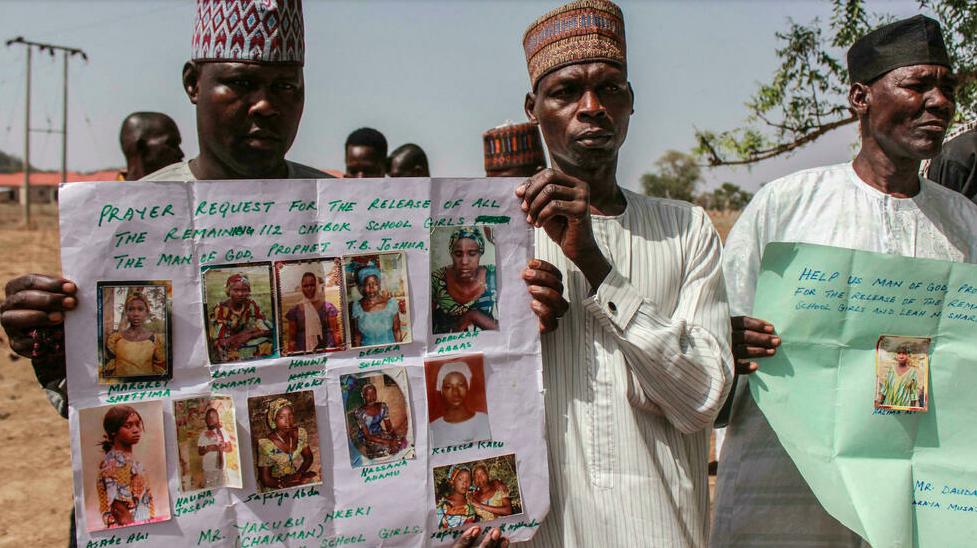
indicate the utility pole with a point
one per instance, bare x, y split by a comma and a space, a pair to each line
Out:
25, 197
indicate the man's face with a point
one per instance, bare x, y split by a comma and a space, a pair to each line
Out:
161, 146
910, 109
363, 162
583, 112
248, 113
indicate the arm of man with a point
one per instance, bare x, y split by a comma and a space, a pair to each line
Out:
679, 365
752, 338
33, 317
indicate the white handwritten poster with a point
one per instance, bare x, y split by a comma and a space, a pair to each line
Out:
262, 363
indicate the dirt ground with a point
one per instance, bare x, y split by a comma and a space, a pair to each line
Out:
36, 460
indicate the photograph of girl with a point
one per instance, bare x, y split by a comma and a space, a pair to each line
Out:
286, 440
134, 331
464, 287
378, 416
207, 441
238, 310
310, 300
457, 408
476, 491
376, 286
901, 373
125, 472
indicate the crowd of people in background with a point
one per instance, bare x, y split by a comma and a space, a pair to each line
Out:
639, 347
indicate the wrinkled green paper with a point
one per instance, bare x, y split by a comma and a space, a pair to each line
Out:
899, 479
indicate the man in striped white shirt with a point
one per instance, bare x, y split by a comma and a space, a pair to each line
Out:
640, 365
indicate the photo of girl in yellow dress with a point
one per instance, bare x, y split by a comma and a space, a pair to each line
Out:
134, 331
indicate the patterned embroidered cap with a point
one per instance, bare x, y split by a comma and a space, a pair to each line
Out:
513, 145
264, 31
586, 30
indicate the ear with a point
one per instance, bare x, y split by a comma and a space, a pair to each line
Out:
191, 81
631, 91
529, 105
859, 98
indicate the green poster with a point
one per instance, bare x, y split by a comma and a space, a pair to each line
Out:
873, 392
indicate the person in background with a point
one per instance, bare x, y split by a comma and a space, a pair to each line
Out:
903, 92
287, 444
640, 365
313, 324
459, 424
513, 150
124, 497
150, 141
956, 166
408, 161
464, 294
212, 443
134, 350
366, 154
375, 317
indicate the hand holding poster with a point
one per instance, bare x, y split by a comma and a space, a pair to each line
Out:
871, 389
253, 362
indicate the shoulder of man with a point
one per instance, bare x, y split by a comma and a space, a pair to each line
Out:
966, 209
688, 215
300, 171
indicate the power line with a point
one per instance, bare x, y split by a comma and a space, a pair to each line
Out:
52, 49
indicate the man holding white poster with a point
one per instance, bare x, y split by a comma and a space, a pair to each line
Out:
640, 365
249, 103
902, 89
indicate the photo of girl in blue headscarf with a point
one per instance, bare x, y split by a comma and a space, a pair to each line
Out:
377, 294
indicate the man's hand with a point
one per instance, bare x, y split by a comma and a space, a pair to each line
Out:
494, 539
752, 338
545, 284
560, 205
34, 301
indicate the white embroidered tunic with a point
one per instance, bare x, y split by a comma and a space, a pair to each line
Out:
761, 498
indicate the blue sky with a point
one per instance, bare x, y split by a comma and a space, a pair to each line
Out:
436, 73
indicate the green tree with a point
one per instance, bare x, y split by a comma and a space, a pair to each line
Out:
807, 96
729, 197
676, 178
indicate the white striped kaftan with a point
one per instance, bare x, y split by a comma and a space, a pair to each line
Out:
634, 378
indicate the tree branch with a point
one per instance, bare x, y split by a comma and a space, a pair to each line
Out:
717, 161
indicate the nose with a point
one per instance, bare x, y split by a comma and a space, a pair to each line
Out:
939, 101
262, 104
590, 105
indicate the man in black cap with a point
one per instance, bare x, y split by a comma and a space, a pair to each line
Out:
408, 161
956, 166
902, 89
149, 141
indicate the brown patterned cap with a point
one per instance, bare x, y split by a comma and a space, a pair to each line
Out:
513, 145
585, 30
